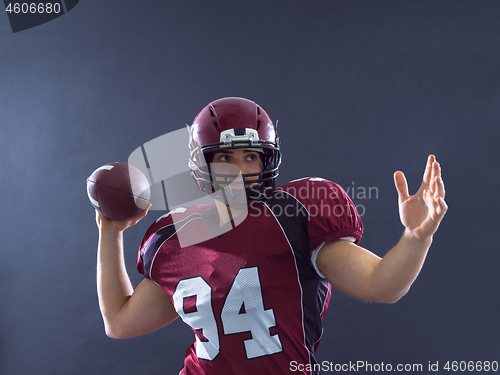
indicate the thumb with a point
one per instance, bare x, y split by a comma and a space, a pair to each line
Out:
401, 186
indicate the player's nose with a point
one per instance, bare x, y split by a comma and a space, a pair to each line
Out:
245, 167
242, 168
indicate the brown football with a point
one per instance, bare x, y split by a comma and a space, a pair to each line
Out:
118, 190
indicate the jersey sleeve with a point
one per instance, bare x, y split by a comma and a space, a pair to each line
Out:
146, 248
162, 229
332, 214
162, 235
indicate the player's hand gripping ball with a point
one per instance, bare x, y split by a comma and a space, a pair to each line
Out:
118, 190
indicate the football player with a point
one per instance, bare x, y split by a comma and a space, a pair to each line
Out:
252, 273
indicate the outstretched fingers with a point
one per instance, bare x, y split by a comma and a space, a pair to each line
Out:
422, 212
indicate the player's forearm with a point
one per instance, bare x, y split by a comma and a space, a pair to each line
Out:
113, 284
399, 268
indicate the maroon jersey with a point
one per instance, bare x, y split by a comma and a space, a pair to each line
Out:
251, 295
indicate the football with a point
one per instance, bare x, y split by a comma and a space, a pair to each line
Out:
118, 190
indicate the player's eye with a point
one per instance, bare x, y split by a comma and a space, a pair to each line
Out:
223, 158
252, 157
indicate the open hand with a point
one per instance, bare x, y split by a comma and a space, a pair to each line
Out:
421, 213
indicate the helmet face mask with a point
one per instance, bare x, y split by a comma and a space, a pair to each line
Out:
234, 123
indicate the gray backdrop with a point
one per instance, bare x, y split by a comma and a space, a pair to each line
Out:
360, 89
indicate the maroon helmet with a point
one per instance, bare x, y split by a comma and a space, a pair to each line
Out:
231, 123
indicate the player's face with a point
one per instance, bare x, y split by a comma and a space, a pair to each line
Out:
231, 162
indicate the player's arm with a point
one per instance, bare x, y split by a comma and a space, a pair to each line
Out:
126, 312
361, 274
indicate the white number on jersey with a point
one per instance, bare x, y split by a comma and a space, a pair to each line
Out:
243, 311
246, 295
203, 316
